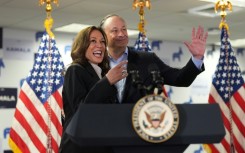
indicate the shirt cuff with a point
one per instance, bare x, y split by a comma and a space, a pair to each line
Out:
198, 62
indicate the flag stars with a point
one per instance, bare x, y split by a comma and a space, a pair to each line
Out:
221, 89
42, 96
230, 68
38, 89
226, 95
45, 59
222, 47
41, 74
218, 75
49, 66
60, 67
45, 81
238, 81
55, 59
221, 61
46, 74
54, 66
56, 52
217, 82
57, 81
222, 82
39, 81
33, 81
46, 51
44, 88
231, 61
58, 74
49, 58
225, 67
43, 66
224, 75
38, 59
36, 66
49, 88
34, 74
227, 89
41, 44
52, 74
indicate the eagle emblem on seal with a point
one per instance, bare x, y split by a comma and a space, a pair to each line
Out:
155, 119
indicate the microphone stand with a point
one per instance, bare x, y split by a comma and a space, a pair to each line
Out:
137, 82
158, 81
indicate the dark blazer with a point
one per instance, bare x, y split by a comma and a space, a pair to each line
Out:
172, 76
82, 85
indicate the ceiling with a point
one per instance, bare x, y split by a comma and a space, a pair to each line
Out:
167, 19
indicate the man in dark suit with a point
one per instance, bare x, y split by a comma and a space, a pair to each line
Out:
116, 30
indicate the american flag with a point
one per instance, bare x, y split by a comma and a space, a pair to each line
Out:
228, 90
37, 126
142, 43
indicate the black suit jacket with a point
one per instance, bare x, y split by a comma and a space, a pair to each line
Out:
82, 85
142, 61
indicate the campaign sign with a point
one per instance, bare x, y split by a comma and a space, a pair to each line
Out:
8, 97
6, 119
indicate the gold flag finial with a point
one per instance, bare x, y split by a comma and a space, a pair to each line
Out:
223, 5
141, 4
48, 23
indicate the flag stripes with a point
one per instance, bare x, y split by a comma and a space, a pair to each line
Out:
228, 90
37, 125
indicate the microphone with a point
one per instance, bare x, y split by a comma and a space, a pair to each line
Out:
136, 80
157, 80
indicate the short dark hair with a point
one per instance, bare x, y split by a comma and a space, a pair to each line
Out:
105, 18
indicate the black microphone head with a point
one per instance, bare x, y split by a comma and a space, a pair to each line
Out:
155, 72
153, 68
132, 67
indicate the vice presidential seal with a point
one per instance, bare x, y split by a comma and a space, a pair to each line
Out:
155, 118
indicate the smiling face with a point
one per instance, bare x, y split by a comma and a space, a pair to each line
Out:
116, 31
96, 49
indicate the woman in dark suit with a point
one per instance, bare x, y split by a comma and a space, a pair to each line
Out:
88, 80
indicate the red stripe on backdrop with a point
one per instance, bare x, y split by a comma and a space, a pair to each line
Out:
211, 100
213, 148
226, 145
239, 100
54, 119
29, 105
226, 121
238, 146
30, 131
55, 146
21, 144
238, 123
58, 98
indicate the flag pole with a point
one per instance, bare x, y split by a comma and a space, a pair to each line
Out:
141, 4
223, 5
48, 23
